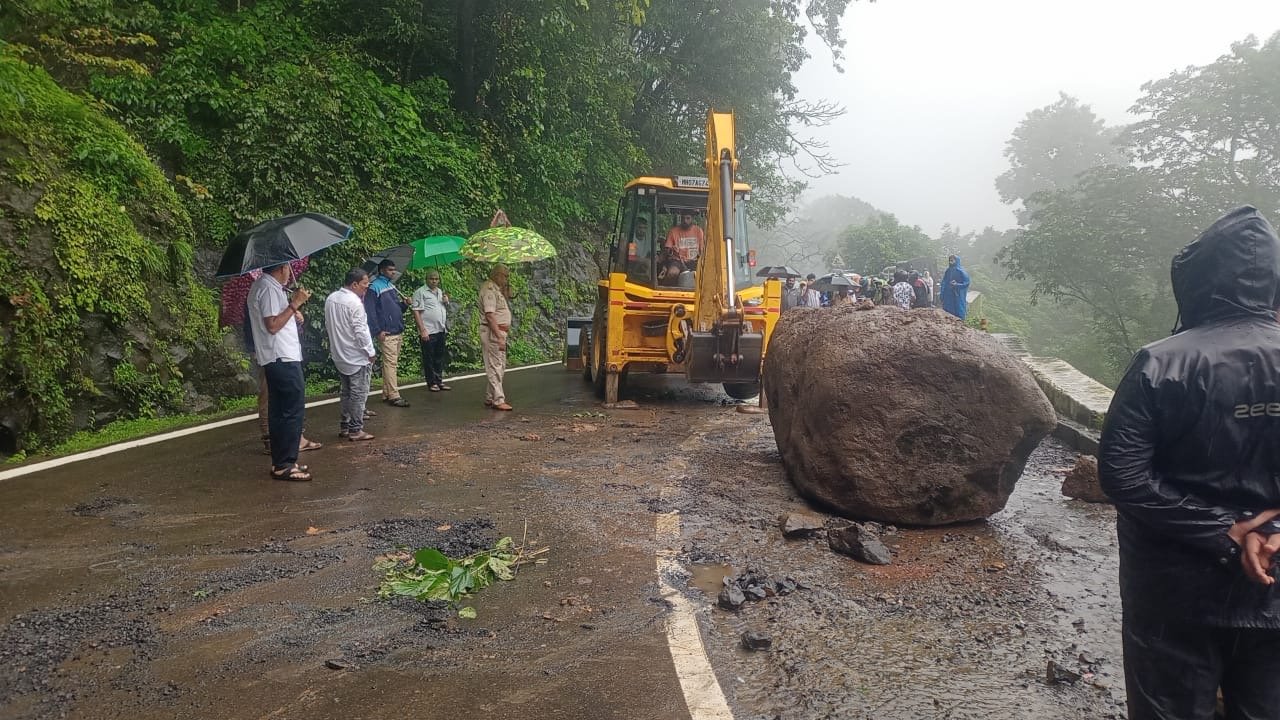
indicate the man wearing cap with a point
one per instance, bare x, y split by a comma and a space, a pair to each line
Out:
495, 323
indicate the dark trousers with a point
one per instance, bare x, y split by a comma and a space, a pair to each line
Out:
1173, 670
286, 404
433, 358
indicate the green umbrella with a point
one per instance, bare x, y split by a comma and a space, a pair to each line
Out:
435, 251
507, 245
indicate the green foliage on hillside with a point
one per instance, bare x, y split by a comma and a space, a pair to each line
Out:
94, 248
403, 118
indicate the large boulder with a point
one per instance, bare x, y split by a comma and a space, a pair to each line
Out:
902, 417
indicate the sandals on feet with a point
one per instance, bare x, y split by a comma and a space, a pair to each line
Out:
502, 406
297, 473
310, 445
357, 437
444, 387
434, 388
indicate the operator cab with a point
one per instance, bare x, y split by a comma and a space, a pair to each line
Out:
656, 248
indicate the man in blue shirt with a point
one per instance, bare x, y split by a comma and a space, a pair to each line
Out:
386, 309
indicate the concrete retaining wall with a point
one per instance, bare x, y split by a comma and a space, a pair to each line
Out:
1080, 400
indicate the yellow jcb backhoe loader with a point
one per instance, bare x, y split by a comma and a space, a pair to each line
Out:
674, 301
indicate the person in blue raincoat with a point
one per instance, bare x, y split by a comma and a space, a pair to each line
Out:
955, 288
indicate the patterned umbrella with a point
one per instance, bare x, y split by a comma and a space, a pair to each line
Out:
435, 251
235, 291
507, 245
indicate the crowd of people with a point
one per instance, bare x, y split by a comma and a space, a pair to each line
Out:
366, 309
905, 289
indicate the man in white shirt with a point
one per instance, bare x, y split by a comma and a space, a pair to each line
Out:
351, 347
429, 311
279, 352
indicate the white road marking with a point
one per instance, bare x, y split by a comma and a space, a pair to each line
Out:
131, 444
702, 693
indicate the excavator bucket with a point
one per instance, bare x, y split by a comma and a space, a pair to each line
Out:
724, 357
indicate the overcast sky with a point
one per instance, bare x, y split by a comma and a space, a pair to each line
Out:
934, 88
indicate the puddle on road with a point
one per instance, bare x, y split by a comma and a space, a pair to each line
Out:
709, 578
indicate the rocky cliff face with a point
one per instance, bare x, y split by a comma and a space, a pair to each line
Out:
100, 313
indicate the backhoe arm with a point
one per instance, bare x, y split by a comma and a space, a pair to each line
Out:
716, 298
721, 346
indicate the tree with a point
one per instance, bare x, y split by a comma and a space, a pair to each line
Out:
1104, 245
810, 236
1100, 244
1052, 146
882, 241
1212, 133
698, 54
983, 247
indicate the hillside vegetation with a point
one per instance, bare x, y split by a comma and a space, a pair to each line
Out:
140, 136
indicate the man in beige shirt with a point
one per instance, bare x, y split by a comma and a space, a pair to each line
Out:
494, 326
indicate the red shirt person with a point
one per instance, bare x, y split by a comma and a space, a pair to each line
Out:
685, 240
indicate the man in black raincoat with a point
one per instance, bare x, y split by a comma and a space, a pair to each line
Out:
1190, 455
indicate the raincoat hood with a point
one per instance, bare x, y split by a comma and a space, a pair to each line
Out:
1231, 270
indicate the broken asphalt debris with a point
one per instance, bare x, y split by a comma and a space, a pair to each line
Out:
860, 543
429, 574
1055, 674
802, 524
753, 586
752, 640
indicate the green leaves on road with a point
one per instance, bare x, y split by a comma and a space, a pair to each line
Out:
429, 574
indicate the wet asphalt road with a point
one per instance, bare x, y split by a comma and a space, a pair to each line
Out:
176, 580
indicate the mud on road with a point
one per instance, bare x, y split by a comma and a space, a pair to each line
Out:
179, 582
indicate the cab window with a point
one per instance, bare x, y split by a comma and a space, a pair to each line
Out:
636, 248
744, 272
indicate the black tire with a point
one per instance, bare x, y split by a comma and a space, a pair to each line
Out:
584, 352
742, 391
597, 355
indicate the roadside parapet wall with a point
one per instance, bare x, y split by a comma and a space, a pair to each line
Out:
1081, 401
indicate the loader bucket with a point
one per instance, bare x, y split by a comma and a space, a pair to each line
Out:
717, 358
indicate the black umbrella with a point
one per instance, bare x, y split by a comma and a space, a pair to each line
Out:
278, 241
834, 281
778, 271
401, 255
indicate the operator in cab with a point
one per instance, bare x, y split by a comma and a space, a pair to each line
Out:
685, 240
